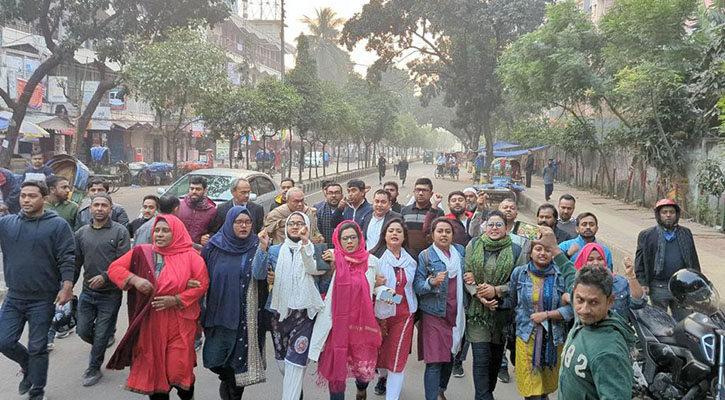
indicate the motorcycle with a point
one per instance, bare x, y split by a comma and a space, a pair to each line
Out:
686, 359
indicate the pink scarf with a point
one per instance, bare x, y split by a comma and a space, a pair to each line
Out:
355, 335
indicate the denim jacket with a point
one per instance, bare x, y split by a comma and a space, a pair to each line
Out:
520, 297
432, 300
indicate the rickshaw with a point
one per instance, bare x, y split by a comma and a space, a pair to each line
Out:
503, 181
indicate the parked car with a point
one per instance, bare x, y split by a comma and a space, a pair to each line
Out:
313, 159
219, 180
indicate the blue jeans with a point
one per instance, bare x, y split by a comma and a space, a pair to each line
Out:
435, 379
486, 363
33, 359
548, 190
97, 314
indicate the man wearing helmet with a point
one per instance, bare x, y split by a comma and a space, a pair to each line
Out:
661, 251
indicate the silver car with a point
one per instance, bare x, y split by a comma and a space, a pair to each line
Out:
219, 181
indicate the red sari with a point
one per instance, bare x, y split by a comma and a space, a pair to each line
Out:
159, 345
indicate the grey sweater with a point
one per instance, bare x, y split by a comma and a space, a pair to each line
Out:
97, 248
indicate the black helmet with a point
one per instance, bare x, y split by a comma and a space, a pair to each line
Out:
691, 288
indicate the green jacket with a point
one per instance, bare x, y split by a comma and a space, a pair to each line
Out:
67, 210
596, 361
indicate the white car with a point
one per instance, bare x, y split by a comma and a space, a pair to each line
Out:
219, 181
313, 159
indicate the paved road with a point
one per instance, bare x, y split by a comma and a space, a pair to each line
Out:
69, 359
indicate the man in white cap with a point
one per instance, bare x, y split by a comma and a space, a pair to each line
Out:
470, 199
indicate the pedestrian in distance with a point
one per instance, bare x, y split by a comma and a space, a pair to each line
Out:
549, 174
39, 269
97, 246
661, 251
382, 165
165, 281
295, 300
396, 319
346, 336
438, 283
530, 159
233, 319
403, 170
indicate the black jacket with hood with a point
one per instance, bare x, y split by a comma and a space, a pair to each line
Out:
38, 255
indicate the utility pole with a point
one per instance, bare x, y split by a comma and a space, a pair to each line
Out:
281, 38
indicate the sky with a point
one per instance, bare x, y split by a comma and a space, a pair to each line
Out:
295, 10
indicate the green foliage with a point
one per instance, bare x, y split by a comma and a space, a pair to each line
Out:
333, 63
280, 105
710, 177
231, 111
304, 79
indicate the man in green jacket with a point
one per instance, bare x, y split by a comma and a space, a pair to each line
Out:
596, 360
59, 187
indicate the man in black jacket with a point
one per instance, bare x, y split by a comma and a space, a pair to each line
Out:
547, 215
39, 268
661, 251
241, 189
529, 167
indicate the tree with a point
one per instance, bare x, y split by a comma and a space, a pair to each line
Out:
455, 48
109, 25
174, 76
304, 79
232, 113
280, 106
333, 63
338, 120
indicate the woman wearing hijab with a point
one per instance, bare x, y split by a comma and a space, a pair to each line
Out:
396, 320
536, 294
234, 343
165, 281
295, 300
346, 336
439, 284
628, 293
490, 259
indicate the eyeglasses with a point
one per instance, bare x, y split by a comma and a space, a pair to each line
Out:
348, 238
243, 223
496, 224
299, 224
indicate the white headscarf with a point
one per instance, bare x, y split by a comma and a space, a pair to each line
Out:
293, 287
387, 264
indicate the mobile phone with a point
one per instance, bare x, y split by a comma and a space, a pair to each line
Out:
395, 298
529, 231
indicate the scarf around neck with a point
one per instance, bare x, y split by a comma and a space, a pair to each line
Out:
544, 349
479, 314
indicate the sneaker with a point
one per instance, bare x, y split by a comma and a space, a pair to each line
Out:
458, 370
25, 385
503, 375
91, 376
380, 387
51, 346
37, 396
64, 334
111, 342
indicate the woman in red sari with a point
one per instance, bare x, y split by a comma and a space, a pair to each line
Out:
164, 280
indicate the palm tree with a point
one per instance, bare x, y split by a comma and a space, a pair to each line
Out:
333, 63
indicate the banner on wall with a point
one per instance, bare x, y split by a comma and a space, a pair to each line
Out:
36, 99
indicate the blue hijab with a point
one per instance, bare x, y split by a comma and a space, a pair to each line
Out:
229, 262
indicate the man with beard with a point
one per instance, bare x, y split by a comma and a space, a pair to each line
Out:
285, 185
58, 199
392, 188
547, 215
587, 226
471, 195
566, 222
374, 222
661, 251
333, 195
460, 216
97, 246
149, 206
240, 189
197, 211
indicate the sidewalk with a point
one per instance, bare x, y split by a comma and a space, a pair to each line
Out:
620, 223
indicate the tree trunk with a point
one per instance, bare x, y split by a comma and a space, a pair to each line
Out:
324, 170
337, 159
82, 125
246, 148
20, 107
290, 155
231, 152
301, 159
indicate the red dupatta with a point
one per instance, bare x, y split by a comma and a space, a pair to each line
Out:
581, 259
181, 263
355, 334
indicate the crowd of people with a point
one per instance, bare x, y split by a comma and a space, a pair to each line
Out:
343, 283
